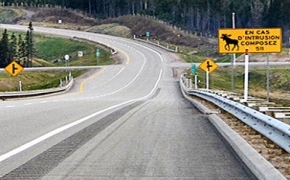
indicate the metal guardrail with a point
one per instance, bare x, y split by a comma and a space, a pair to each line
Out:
112, 50
22, 94
158, 45
270, 127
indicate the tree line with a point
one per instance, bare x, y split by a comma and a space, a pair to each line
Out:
17, 48
197, 15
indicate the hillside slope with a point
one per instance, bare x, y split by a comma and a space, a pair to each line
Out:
124, 26
133, 25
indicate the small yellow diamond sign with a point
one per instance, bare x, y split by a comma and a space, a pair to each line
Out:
14, 68
208, 65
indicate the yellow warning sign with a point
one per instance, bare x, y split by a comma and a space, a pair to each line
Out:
263, 40
14, 68
208, 65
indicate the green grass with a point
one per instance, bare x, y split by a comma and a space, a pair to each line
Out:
54, 48
34, 80
49, 49
221, 79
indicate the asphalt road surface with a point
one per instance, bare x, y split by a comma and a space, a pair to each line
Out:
126, 121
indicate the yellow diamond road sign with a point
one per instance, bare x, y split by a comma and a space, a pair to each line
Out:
262, 40
14, 68
208, 65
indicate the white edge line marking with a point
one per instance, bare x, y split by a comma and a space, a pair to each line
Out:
63, 128
162, 60
112, 77
138, 74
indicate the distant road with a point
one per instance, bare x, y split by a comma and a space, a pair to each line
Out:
126, 121
57, 68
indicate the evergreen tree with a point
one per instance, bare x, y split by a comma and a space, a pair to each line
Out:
196, 15
29, 45
4, 50
21, 48
13, 47
27, 48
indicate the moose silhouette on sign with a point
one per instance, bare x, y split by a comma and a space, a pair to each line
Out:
226, 37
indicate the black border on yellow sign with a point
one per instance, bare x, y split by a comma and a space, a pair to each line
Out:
252, 48
18, 68
203, 65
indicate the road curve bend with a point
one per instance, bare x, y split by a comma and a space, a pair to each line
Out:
126, 121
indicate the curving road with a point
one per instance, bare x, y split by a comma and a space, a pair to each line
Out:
125, 121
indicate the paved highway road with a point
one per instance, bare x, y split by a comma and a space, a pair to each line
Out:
126, 121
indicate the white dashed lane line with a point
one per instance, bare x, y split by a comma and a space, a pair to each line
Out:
10, 106
56, 100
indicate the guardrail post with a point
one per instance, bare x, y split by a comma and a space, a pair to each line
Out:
60, 83
195, 81
190, 83
207, 79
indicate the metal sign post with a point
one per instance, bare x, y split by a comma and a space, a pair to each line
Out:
234, 26
195, 81
246, 80
208, 66
233, 58
147, 35
66, 58
207, 79
193, 72
97, 55
80, 55
268, 78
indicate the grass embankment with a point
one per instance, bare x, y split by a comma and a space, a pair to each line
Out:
53, 48
10, 15
33, 80
49, 50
